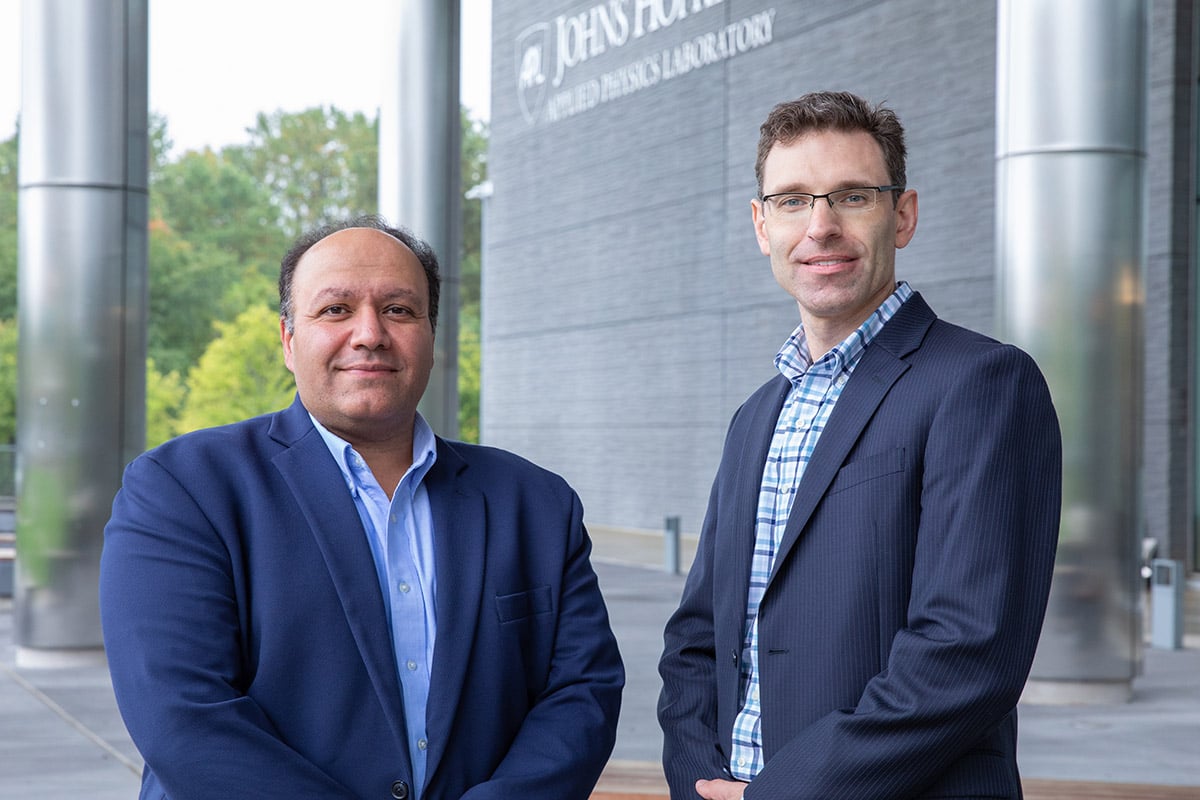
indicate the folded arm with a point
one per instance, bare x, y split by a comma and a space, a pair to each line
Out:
567, 736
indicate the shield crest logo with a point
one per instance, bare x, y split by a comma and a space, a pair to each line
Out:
533, 59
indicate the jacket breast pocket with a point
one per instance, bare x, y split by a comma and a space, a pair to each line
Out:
520, 605
866, 469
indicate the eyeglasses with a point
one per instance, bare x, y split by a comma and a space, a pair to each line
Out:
852, 201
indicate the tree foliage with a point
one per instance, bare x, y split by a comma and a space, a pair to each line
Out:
213, 204
8, 227
188, 286
219, 223
160, 143
240, 375
164, 402
8, 290
474, 173
469, 364
8, 381
318, 166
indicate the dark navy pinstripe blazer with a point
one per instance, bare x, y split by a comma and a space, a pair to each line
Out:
904, 607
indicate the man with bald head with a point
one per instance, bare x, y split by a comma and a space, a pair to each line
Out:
331, 601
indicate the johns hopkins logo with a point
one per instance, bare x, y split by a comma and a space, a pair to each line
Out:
533, 60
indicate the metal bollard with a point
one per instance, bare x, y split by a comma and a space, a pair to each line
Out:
1166, 604
671, 546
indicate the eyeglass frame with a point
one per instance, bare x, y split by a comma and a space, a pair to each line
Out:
826, 197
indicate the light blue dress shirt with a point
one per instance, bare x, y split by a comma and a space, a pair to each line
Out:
400, 532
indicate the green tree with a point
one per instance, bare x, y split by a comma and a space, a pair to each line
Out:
240, 375
220, 223
473, 168
188, 290
165, 395
8, 381
8, 290
468, 378
215, 244
318, 165
161, 144
8, 228
214, 203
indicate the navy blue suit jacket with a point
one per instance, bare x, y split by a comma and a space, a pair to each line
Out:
904, 607
250, 651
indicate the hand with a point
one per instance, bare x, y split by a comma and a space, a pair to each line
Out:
720, 789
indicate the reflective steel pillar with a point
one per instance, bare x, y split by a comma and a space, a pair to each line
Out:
419, 143
1071, 99
82, 198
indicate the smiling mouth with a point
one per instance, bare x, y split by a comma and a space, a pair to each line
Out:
367, 368
827, 264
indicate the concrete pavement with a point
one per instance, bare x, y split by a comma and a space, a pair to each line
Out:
61, 735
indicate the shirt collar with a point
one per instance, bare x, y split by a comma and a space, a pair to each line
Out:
794, 360
423, 456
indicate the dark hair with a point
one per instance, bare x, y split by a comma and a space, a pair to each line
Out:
839, 111
422, 250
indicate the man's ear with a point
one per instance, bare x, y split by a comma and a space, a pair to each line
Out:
285, 339
760, 229
906, 217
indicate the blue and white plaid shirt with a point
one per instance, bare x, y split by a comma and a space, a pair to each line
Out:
815, 390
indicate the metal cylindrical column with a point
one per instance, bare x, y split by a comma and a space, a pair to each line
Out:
82, 218
1069, 178
419, 144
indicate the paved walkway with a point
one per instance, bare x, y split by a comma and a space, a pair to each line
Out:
1152, 740
61, 735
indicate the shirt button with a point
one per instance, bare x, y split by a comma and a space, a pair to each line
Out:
412, 665
393, 518
741, 762
422, 744
404, 587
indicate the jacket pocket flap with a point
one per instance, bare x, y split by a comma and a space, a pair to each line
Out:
512, 607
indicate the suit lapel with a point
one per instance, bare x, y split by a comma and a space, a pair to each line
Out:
754, 427
460, 545
320, 493
881, 366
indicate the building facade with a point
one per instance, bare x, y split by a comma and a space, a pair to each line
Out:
627, 310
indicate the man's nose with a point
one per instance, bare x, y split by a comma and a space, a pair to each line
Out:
823, 221
369, 331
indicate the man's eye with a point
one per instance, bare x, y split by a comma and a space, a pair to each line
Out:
793, 201
400, 311
333, 311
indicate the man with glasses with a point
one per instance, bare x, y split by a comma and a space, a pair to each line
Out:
876, 557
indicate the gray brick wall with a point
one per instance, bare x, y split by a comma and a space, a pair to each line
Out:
1168, 475
627, 310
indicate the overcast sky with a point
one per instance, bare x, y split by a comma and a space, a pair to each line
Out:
215, 64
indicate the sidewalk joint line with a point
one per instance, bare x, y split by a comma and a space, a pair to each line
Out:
65, 715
